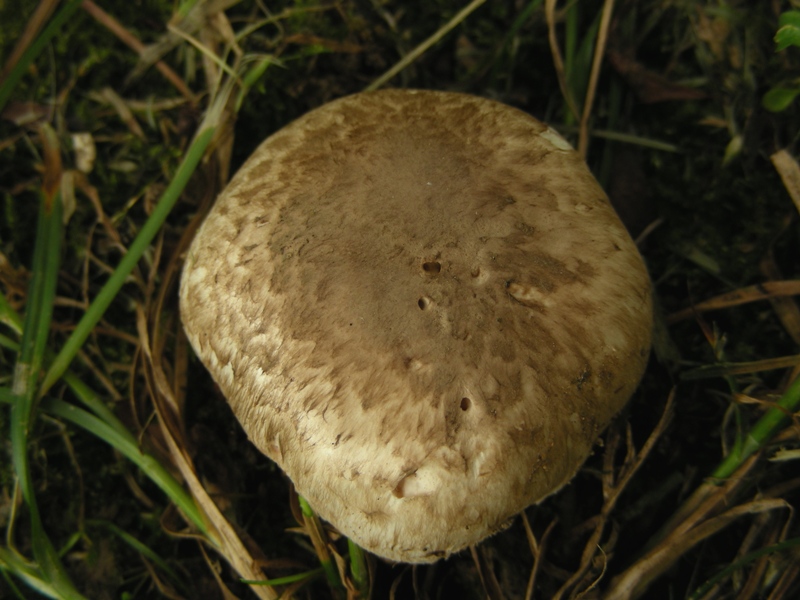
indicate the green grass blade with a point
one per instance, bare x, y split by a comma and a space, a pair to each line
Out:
328, 566
766, 427
83, 392
130, 449
10, 562
571, 41
10, 83
117, 435
93, 402
424, 46
36, 327
105, 425
358, 568
8, 343
252, 77
141, 549
9, 317
113, 432
109, 291
522, 19
39, 307
10, 583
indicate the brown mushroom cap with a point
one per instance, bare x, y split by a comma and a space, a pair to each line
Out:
422, 307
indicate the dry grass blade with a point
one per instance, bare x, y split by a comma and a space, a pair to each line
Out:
705, 501
123, 110
789, 171
770, 534
332, 563
786, 582
743, 368
786, 308
195, 18
597, 62
612, 491
134, 44
169, 410
635, 581
32, 29
753, 293
483, 565
214, 569
226, 539
163, 587
537, 549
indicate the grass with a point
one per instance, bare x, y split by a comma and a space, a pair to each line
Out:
685, 111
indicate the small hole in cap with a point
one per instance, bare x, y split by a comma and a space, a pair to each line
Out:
432, 266
423, 303
465, 403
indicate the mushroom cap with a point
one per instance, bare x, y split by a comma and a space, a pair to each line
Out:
422, 306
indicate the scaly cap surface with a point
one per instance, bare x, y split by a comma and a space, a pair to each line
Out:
422, 307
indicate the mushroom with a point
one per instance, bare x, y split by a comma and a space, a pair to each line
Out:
423, 308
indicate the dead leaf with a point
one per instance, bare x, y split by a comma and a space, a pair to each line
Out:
650, 87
